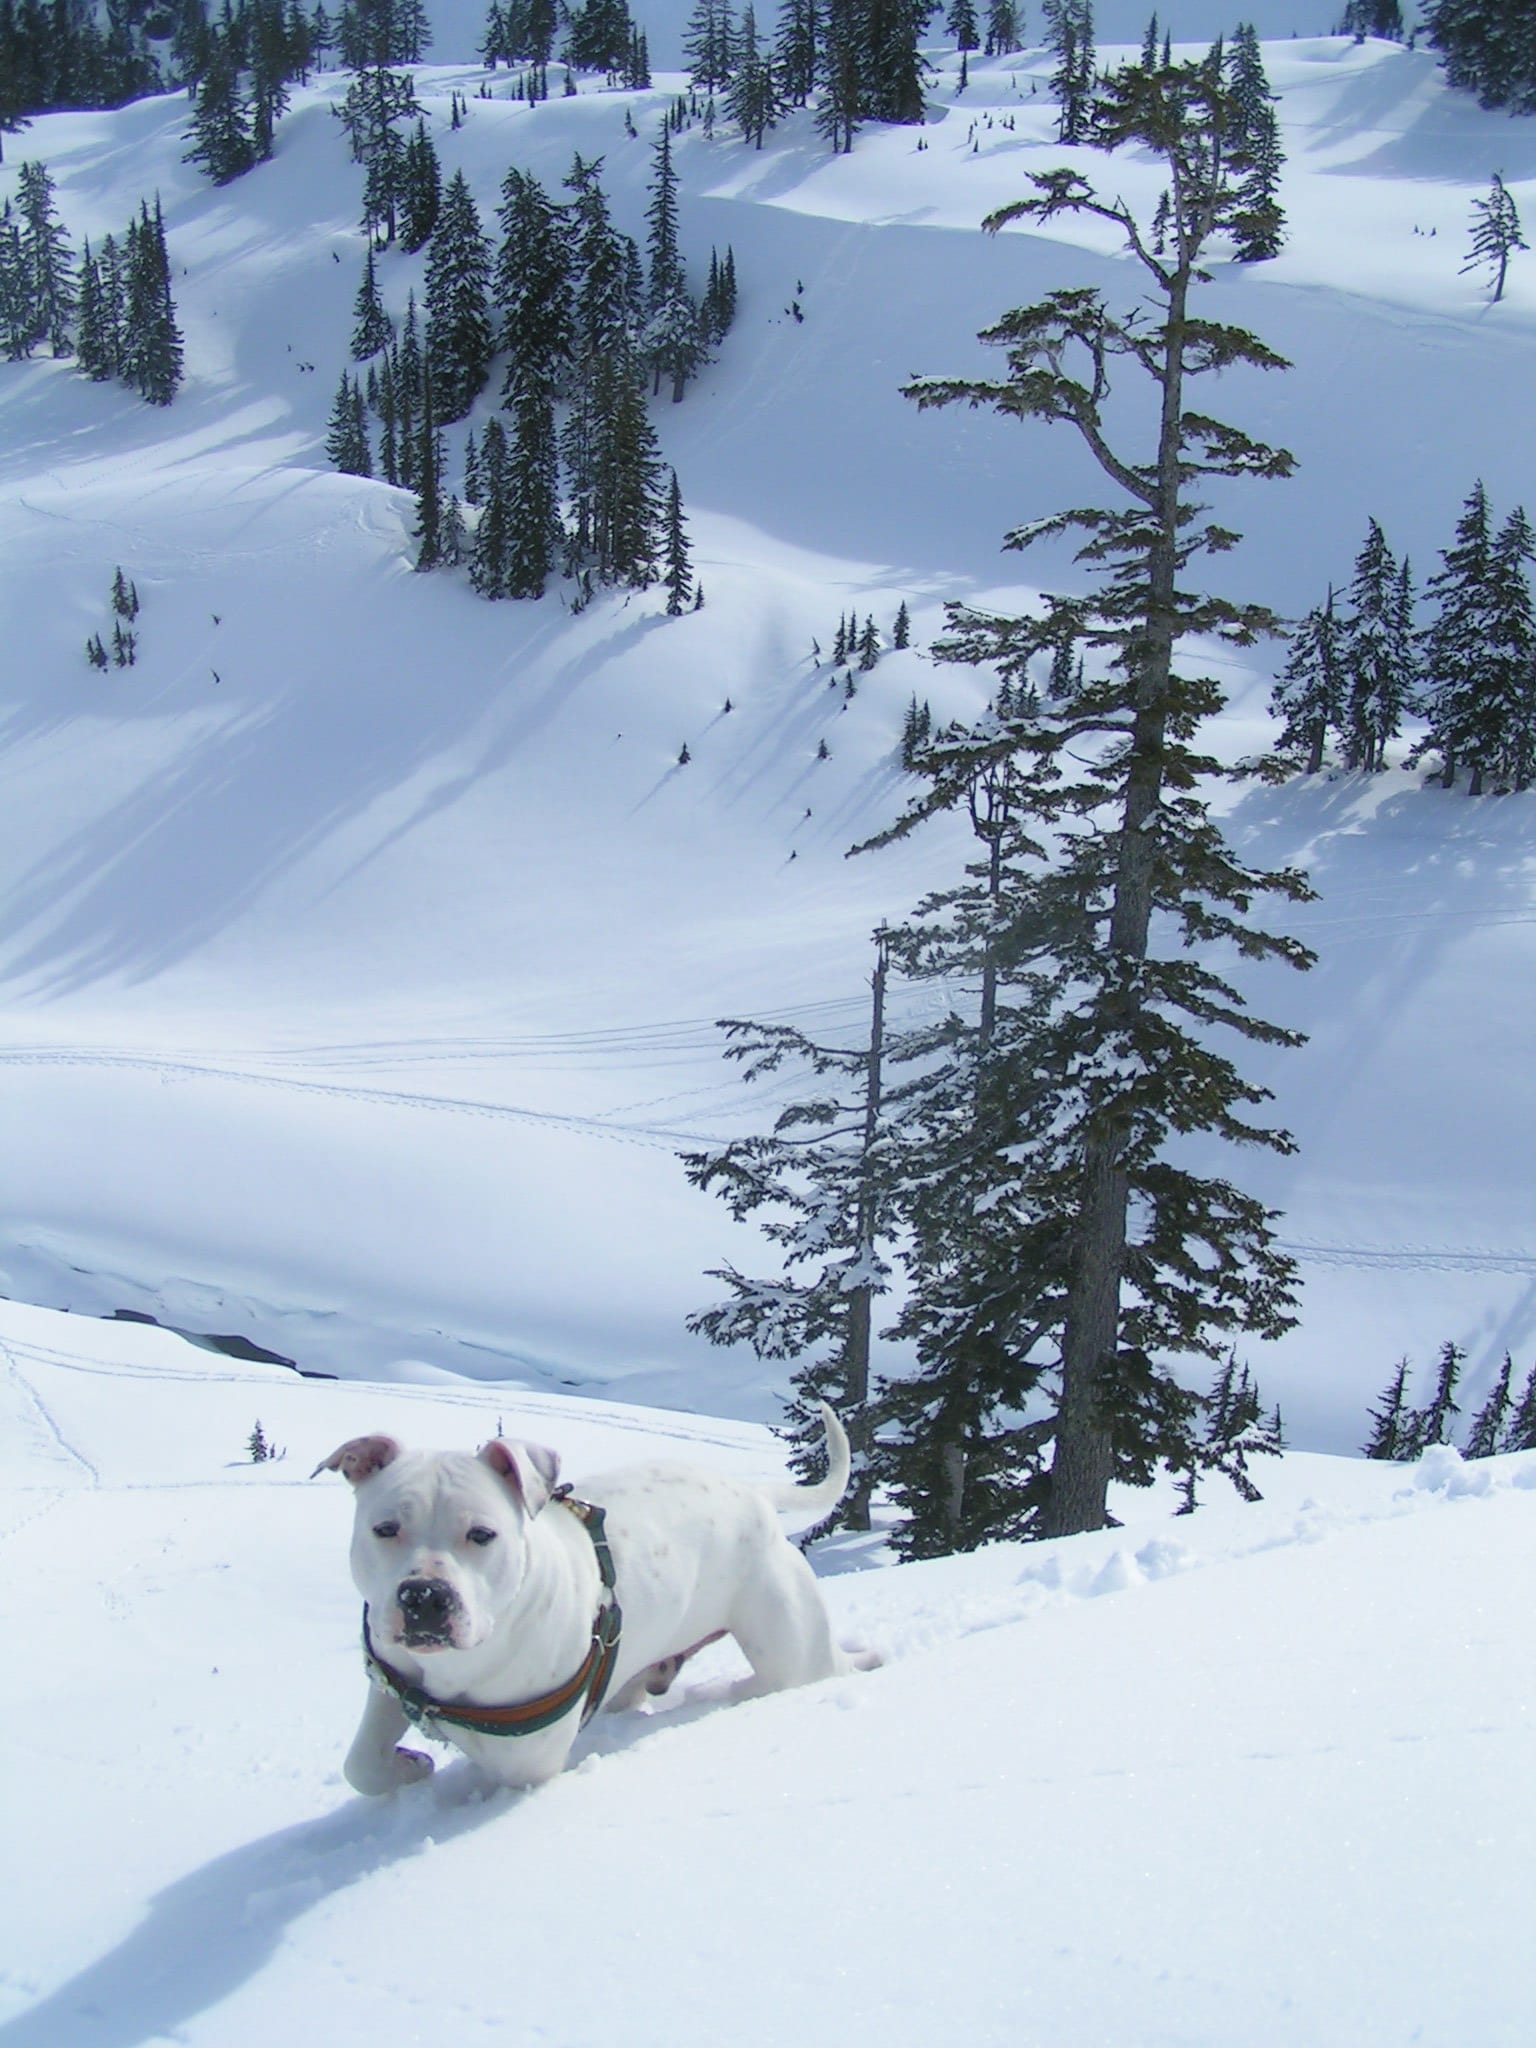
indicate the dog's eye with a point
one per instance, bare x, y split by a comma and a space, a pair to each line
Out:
386, 1530
481, 1535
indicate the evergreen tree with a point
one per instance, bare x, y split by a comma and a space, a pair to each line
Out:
428, 529
1309, 698
1424, 1427
48, 266
1069, 37
454, 537
709, 45
1377, 652
125, 597
1259, 225
797, 50
152, 343
421, 190
534, 535
960, 21
1495, 235
459, 338
1512, 652
532, 288
676, 571
1520, 1432
17, 317
1235, 1429
1489, 48
1005, 28
671, 341
220, 136
95, 345
901, 632
1487, 1431
1104, 1253
719, 307
372, 328
752, 95
599, 34
1393, 1420
1382, 18
408, 374
376, 102
1457, 701
488, 553
816, 1186
346, 440
273, 59
841, 77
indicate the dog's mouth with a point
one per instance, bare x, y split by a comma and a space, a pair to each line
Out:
419, 1639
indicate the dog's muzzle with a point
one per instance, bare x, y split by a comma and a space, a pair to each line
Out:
428, 1608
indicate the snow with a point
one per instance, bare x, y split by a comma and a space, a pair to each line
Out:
1259, 1773
361, 953
362, 945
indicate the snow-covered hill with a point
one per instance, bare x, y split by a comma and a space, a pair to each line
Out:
1256, 1776
360, 947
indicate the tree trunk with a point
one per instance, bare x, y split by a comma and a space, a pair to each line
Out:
1083, 1458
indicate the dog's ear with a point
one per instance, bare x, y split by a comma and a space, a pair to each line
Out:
529, 1469
360, 1458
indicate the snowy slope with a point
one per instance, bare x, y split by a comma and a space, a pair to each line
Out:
1260, 1775
361, 946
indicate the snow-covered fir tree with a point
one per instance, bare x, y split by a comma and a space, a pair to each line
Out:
1309, 697
1378, 652
372, 328
460, 338
1259, 225
47, 281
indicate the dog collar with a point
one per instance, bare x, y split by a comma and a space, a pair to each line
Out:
526, 1717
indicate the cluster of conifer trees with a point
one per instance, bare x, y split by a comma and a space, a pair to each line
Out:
1359, 668
1505, 1422
599, 36
1489, 48
567, 478
238, 60
112, 310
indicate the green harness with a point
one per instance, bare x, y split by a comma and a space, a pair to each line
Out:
528, 1717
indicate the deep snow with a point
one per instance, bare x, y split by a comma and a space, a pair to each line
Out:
1258, 1775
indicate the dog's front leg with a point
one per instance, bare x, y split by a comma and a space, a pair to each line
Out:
374, 1765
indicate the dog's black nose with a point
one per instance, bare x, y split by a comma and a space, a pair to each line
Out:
425, 1603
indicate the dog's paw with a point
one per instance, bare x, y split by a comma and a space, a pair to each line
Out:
375, 1775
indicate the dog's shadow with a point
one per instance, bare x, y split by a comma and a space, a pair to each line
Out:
211, 1931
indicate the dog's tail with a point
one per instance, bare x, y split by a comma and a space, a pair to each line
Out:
822, 1498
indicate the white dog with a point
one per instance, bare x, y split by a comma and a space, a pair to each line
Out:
500, 1612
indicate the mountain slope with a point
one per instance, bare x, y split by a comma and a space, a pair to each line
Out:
361, 945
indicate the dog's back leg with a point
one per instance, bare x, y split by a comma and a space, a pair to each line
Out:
781, 1622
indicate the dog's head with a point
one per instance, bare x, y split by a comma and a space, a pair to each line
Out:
439, 1543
